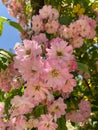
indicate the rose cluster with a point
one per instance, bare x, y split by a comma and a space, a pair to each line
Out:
10, 79
18, 9
79, 30
75, 33
45, 66
82, 114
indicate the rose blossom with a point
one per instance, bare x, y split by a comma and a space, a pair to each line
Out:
19, 105
45, 11
57, 108
51, 26
46, 123
37, 24
37, 89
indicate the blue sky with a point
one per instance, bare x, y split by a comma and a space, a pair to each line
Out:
10, 35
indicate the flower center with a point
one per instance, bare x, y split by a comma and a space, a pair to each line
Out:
28, 52
34, 71
54, 73
56, 107
47, 125
59, 53
37, 87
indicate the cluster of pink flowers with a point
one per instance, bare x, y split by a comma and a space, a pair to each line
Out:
82, 114
77, 31
45, 21
44, 76
10, 78
17, 9
45, 66
50, 72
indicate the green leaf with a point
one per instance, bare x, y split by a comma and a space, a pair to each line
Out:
1, 96
61, 123
39, 110
5, 58
6, 54
56, 94
62, 20
1, 28
2, 20
8, 21
83, 67
65, 20
15, 25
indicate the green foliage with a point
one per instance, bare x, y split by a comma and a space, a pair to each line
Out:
15, 25
8, 21
1, 28
65, 20
1, 96
56, 94
5, 58
10, 95
83, 67
61, 123
39, 110
2, 20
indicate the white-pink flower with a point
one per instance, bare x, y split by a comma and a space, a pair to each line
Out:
84, 28
91, 21
45, 11
75, 116
38, 90
51, 26
37, 24
31, 123
72, 65
41, 38
54, 15
55, 75
85, 108
30, 68
82, 114
65, 32
60, 51
70, 83
74, 29
28, 60
46, 123
77, 42
10, 78
57, 108
29, 48
17, 123
19, 105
